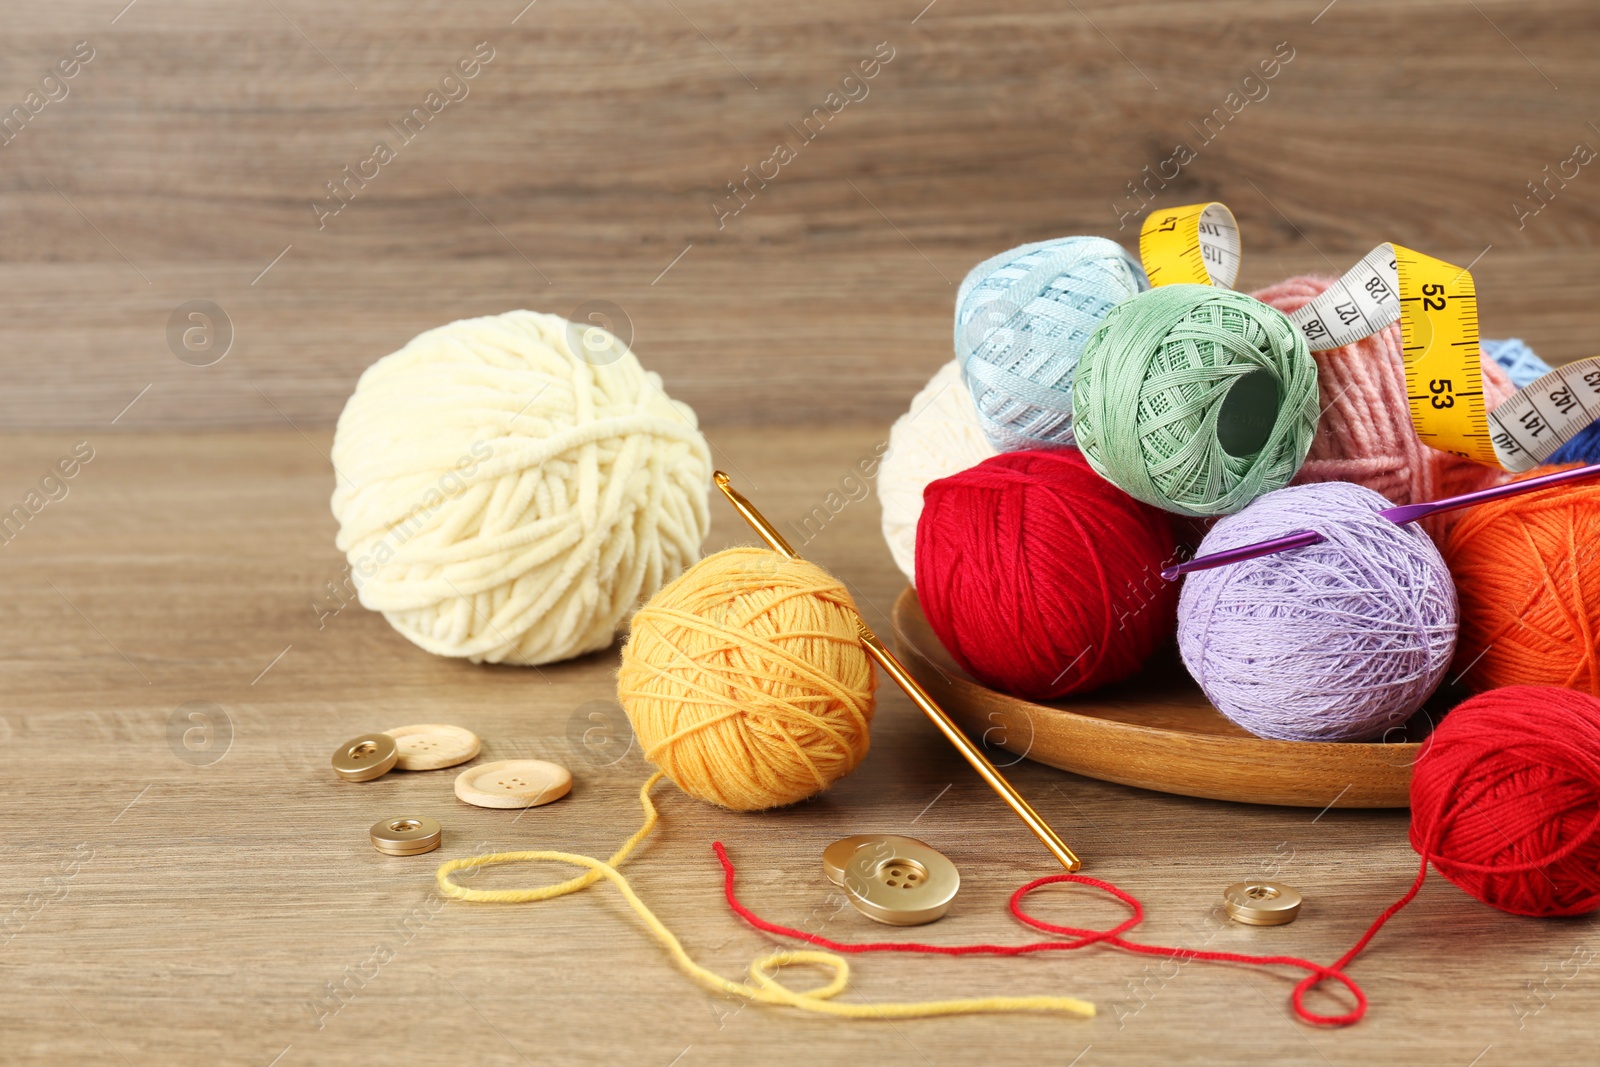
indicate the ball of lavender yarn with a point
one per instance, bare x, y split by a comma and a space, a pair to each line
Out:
1338, 641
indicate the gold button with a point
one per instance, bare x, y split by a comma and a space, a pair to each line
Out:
1261, 903
365, 758
406, 837
837, 855
433, 746
513, 783
900, 881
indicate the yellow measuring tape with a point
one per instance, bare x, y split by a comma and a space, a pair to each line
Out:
1437, 306
1198, 244
1439, 340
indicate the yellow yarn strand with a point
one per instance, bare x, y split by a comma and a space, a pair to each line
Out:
763, 987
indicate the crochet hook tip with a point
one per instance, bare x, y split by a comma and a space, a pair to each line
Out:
1297, 539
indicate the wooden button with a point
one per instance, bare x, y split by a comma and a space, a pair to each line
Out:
513, 783
406, 837
900, 881
432, 746
1261, 903
361, 759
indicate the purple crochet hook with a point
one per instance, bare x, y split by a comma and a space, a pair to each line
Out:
1402, 514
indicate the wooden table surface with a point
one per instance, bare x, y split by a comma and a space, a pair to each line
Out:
158, 908
164, 912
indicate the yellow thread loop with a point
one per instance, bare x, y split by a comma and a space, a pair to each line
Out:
764, 986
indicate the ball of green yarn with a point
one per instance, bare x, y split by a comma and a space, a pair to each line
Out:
1195, 399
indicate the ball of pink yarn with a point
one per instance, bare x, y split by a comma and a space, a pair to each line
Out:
1364, 434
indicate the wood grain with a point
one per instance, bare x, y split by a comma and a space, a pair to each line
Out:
183, 914
1158, 731
590, 152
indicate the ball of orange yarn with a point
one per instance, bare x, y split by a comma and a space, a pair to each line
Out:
1505, 800
1527, 572
746, 682
1364, 434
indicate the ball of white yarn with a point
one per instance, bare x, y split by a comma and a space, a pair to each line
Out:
505, 499
939, 436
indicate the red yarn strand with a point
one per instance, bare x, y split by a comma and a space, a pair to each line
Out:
1082, 938
1505, 804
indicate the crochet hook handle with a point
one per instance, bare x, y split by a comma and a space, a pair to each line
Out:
1399, 514
1413, 512
919, 696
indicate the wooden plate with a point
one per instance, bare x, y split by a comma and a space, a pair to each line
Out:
1158, 731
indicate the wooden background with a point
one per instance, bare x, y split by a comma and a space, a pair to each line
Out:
157, 912
590, 150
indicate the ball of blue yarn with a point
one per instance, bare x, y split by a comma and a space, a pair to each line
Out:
1584, 448
1022, 318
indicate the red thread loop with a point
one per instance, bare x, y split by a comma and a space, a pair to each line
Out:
1082, 938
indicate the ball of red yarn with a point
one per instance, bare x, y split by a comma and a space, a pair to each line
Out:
1527, 573
1505, 800
1040, 577
1364, 434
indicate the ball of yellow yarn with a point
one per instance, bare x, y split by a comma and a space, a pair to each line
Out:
509, 488
746, 682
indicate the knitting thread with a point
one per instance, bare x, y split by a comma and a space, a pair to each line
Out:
1505, 802
1521, 364
746, 682
939, 436
763, 987
1195, 399
1336, 641
507, 500
1528, 572
1022, 318
1041, 578
1081, 938
1364, 433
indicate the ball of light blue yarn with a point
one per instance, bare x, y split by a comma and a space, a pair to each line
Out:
1338, 641
1021, 320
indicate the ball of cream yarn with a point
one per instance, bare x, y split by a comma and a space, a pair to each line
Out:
939, 436
746, 682
504, 498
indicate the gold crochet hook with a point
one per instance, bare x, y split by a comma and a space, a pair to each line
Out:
919, 696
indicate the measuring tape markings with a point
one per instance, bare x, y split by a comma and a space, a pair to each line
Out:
1519, 425
1363, 301
1439, 346
1197, 244
1436, 305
